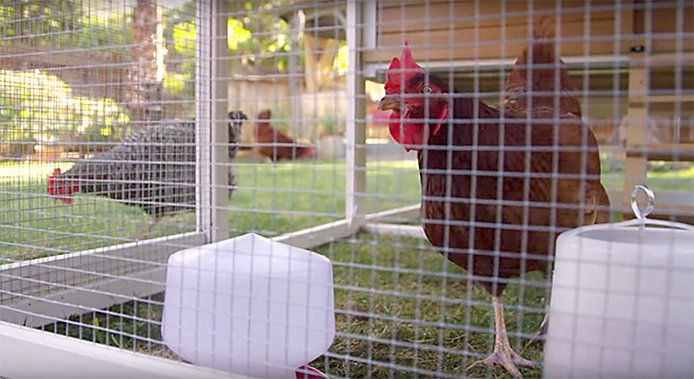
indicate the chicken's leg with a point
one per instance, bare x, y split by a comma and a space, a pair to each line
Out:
540, 330
503, 354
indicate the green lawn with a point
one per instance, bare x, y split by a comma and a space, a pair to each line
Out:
270, 200
399, 304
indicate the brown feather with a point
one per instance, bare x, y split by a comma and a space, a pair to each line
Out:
497, 211
275, 144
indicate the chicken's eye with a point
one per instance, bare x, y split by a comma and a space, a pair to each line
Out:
426, 90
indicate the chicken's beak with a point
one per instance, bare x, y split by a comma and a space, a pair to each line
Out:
389, 102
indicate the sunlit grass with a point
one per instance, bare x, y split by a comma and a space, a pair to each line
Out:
398, 301
269, 199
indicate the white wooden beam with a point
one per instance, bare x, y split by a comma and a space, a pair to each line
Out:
636, 136
39, 291
318, 235
408, 213
211, 137
414, 231
355, 129
30, 353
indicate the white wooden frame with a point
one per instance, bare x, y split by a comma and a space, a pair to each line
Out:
41, 291
30, 353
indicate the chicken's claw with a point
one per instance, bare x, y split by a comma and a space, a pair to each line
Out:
503, 355
506, 358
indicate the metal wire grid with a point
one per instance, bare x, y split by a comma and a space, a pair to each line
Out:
82, 91
401, 309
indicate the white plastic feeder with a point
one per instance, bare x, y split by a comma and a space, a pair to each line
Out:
249, 305
623, 300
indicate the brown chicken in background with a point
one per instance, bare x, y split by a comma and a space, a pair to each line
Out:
276, 145
499, 183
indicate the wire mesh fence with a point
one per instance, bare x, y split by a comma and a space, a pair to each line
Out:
432, 150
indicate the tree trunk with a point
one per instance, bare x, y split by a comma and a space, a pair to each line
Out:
143, 92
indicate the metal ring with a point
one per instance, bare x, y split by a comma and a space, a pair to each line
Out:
650, 204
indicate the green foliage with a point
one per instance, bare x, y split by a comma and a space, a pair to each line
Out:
63, 24
184, 37
259, 38
340, 63
236, 33
179, 41
39, 106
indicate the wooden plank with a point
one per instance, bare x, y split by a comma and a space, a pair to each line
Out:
665, 20
29, 353
43, 309
667, 99
219, 143
667, 44
486, 6
407, 3
319, 235
668, 204
355, 128
637, 114
59, 286
662, 152
408, 213
433, 52
493, 34
440, 19
48, 56
430, 25
414, 231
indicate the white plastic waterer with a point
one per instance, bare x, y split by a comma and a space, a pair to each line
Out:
249, 305
623, 300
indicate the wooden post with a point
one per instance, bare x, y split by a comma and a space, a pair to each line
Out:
636, 131
212, 138
355, 130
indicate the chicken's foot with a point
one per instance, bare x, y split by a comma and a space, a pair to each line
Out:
503, 355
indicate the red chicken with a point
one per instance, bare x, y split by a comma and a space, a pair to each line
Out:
276, 145
499, 183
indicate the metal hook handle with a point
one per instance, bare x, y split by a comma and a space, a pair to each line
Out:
650, 202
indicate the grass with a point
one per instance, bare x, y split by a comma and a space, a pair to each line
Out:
399, 303
400, 307
270, 200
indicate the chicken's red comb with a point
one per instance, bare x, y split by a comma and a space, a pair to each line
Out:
56, 187
401, 70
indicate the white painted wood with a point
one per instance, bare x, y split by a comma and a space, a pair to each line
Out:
219, 225
414, 231
38, 291
355, 130
635, 166
211, 137
667, 203
370, 20
30, 353
319, 235
203, 72
408, 213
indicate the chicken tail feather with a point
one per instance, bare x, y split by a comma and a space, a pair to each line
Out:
543, 28
542, 59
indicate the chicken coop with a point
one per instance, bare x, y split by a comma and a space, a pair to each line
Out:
432, 150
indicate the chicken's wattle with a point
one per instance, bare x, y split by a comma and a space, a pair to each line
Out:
413, 135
